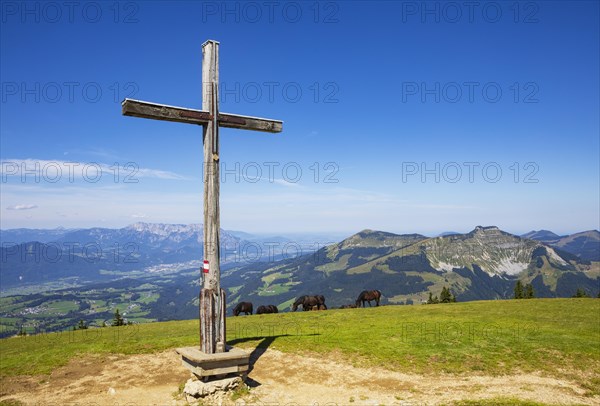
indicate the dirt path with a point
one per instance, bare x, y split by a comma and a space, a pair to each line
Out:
145, 379
151, 379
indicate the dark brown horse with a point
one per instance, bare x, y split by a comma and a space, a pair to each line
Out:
368, 296
243, 307
348, 306
308, 302
317, 307
267, 309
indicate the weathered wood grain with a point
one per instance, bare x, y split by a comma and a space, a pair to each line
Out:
155, 111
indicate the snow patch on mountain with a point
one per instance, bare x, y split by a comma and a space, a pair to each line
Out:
510, 267
444, 266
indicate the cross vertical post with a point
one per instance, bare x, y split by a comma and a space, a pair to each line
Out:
212, 297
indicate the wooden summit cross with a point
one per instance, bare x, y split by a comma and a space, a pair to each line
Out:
212, 297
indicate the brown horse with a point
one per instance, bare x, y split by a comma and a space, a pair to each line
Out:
368, 296
308, 302
243, 307
267, 309
348, 306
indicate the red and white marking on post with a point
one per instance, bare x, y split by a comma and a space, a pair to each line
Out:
205, 267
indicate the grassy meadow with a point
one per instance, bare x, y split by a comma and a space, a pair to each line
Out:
559, 337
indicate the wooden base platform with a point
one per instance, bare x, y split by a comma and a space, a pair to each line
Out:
234, 361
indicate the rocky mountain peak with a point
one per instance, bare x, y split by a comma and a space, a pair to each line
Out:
484, 229
164, 229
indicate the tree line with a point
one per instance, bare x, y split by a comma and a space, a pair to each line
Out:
118, 320
526, 291
445, 297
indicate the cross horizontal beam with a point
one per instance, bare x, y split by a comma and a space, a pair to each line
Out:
137, 108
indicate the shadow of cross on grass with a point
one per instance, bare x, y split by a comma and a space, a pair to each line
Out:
261, 348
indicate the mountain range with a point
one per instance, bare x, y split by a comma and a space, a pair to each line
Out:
471, 262
37, 256
482, 264
584, 245
152, 271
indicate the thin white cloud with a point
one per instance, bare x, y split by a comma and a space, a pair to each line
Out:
100, 152
283, 182
61, 171
444, 206
158, 174
22, 207
109, 204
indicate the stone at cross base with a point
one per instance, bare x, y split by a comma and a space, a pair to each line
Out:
213, 357
199, 389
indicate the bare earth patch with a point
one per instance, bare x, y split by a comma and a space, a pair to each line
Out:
144, 379
151, 379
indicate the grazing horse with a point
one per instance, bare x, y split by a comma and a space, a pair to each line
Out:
304, 302
348, 306
308, 302
266, 309
243, 307
367, 296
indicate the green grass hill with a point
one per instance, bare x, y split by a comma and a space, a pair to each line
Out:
558, 337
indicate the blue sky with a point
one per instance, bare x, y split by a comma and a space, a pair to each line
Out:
401, 116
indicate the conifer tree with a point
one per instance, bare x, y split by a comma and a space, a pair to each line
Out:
432, 299
519, 290
445, 295
117, 320
529, 291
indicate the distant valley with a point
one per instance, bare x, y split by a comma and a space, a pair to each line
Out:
31, 258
